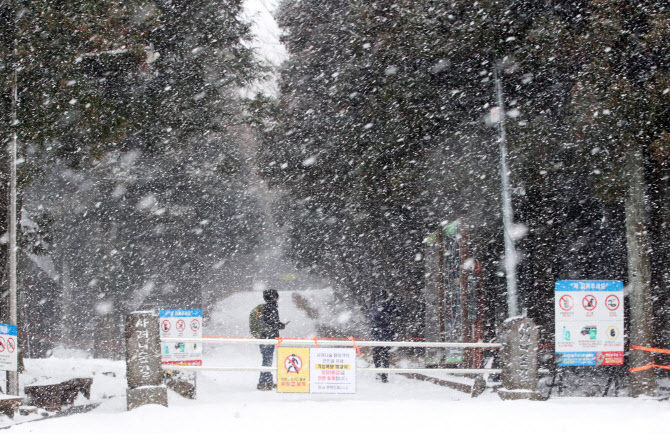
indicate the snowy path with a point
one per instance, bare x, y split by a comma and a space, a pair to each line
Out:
228, 402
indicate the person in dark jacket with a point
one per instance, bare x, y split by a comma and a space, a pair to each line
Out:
382, 315
271, 327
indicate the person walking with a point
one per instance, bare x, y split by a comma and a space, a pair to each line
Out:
382, 316
270, 330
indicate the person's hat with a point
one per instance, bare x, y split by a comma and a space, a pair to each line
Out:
270, 295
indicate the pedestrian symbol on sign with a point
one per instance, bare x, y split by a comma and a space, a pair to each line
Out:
293, 363
181, 325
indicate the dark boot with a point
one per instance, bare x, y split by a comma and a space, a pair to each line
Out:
382, 377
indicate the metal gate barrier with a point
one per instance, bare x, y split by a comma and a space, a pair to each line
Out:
518, 350
335, 343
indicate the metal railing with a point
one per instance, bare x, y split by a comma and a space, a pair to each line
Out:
335, 343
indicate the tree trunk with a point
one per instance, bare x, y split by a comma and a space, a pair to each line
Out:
639, 275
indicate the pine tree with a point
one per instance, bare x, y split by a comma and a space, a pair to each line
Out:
403, 89
618, 103
127, 110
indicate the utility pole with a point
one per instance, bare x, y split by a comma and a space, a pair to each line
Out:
507, 212
13, 376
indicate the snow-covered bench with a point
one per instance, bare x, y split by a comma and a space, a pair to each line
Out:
9, 404
53, 396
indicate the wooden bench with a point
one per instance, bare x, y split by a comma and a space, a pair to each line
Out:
53, 396
9, 404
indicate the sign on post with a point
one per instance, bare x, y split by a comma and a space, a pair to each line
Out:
333, 370
181, 323
589, 322
293, 370
8, 348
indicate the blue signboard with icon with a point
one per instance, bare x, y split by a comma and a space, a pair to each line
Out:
589, 322
181, 323
8, 347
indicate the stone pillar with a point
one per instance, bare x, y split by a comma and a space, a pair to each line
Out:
143, 361
518, 359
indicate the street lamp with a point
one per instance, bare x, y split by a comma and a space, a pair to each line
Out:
507, 211
13, 376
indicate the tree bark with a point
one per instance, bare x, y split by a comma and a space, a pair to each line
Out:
639, 275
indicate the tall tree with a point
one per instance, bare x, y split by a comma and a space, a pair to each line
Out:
620, 101
127, 110
403, 88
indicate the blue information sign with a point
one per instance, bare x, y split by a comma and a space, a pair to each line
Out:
8, 347
589, 322
181, 323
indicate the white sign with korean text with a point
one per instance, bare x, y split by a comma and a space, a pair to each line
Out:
332, 370
181, 323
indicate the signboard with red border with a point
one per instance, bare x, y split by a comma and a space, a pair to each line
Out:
181, 323
590, 331
292, 370
8, 353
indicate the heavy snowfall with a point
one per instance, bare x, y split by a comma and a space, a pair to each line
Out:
461, 166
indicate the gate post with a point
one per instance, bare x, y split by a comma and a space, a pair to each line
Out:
518, 357
143, 361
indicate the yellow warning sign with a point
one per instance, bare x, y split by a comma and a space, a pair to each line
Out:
293, 370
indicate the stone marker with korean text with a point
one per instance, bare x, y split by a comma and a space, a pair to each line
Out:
518, 358
143, 361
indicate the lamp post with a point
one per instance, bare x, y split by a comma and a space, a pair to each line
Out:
507, 211
13, 376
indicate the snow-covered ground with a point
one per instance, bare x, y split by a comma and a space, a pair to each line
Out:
228, 402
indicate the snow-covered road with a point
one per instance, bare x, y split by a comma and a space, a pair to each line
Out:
228, 402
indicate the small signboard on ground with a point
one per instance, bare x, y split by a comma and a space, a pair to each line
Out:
8, 350
181, 323
589, 322
293, 370
332, 370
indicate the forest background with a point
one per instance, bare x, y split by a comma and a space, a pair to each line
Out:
138, 150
